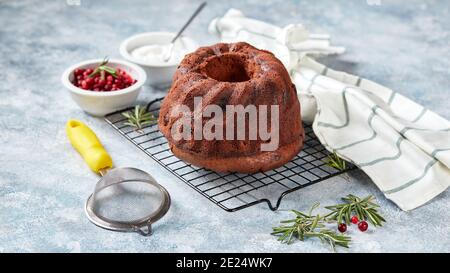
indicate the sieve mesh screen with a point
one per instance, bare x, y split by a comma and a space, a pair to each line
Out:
129, 201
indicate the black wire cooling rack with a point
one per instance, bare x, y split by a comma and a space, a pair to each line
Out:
232, 191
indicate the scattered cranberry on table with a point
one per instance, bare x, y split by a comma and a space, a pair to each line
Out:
354, 220
342, 227
102, 78
363, 226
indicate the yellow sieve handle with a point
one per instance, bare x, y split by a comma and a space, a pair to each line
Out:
85, 141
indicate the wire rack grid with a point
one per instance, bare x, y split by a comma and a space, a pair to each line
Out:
232, 191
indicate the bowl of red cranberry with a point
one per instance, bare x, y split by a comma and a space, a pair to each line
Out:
102, 86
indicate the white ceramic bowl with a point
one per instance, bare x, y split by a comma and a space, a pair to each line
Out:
158, 74
102, 103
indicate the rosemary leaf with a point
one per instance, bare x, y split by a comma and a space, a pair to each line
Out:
334, 161
309, 226
102, 67
364, 208
313, 226
139, 117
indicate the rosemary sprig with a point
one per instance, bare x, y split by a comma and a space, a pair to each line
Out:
139, 117
365, 209
309, 226
334, 161
102, 67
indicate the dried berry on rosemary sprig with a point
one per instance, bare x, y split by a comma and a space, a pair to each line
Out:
309, 226
139, 118
364, 209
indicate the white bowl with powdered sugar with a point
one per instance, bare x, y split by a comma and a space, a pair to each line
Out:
149, 49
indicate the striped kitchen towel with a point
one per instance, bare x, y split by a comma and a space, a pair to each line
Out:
402, 146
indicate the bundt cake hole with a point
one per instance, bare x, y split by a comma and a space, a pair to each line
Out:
228, 68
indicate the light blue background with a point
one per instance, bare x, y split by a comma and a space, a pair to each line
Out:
44, 183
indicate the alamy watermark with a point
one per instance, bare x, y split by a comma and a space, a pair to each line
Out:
190, 124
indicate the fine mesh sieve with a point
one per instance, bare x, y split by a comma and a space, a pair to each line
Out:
124, 199
127, 199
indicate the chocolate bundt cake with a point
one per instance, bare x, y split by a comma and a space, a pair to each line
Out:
230, 75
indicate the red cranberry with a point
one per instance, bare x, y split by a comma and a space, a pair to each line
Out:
354, 219
77, 72
342, 227
84, 84
96, 83
363, 226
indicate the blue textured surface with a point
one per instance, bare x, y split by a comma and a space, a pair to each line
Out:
44, 183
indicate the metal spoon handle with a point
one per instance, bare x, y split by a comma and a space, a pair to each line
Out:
197, 11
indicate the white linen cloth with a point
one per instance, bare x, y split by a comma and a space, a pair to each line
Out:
402, 146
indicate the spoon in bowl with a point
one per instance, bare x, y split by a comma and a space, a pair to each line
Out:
168, 52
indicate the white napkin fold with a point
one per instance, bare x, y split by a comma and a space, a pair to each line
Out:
403, 147
290, 44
